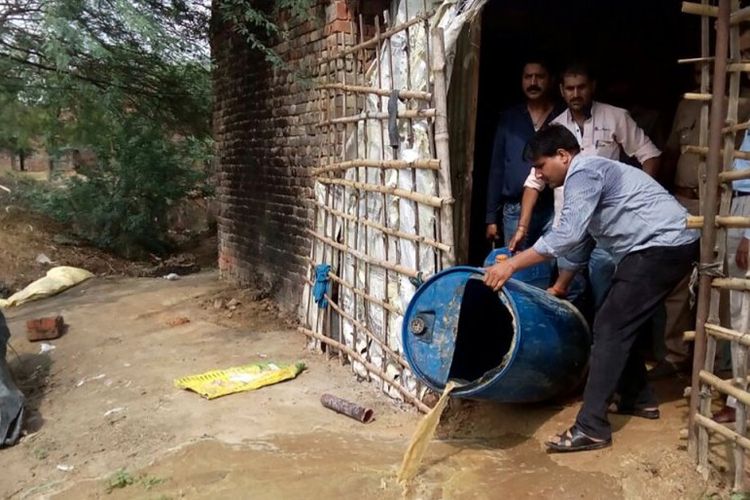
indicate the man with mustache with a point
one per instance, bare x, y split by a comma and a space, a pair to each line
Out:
601, 130
643, 227
508, 169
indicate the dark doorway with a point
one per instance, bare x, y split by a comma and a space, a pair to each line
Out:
631, 46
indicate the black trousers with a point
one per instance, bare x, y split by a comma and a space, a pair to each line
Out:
641, 283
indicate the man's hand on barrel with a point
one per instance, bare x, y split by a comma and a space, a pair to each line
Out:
496, 276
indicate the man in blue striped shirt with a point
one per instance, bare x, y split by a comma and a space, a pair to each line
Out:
624, 211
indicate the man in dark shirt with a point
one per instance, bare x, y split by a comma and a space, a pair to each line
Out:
508, 169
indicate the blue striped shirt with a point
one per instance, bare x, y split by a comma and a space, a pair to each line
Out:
619, 207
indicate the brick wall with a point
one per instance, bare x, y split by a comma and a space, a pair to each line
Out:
265, 129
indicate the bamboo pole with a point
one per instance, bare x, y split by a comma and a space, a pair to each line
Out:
694, 60
432, 201
697, 96
356, 89
442, 143
725, 387
416, 238
700, 9
370, 260
727, 334
373, 42
739, 16
709, 230
369, 333
733, 221
739, 67
377, 115
720, 429
365, 295
370, 367
734, 175
738, 127
738, 284
699, 150
383, 164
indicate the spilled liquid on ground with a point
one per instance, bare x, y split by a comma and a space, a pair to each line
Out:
326, 465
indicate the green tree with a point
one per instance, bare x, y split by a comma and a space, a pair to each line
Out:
130, 81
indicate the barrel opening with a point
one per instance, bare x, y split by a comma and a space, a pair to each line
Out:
485, 333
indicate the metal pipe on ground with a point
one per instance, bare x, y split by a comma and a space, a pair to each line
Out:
352, 410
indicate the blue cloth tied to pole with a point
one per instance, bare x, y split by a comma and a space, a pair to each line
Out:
321, 284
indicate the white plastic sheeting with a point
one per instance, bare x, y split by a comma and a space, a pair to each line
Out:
370, 139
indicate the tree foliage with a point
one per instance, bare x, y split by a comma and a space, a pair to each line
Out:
128, 80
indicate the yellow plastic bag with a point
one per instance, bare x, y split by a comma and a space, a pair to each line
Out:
57, 279
217, 383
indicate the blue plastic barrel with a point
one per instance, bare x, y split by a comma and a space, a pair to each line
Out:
539, 275
518, 345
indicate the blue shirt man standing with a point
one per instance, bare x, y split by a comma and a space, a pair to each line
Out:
628, 214
509, 169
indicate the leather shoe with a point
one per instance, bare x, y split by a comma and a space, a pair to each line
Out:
726, 415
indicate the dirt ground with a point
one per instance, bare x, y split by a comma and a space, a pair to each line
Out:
107, 422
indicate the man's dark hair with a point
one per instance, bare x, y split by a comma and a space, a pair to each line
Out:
577, 68
541, 60
548, 140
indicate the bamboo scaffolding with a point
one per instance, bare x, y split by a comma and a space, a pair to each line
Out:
727, 334
734, 175
356, 89
365, 295
372, 368
699, 150
416, 238
733, 221
370, 260
374, 42
432, 201
406, 114
738, 284
725, 387
739, 67
370, 335
720, 429
698, 438
694, 60
383, 164
736, 127
697, 96
442, 143
738, 16
700, 9
388, 238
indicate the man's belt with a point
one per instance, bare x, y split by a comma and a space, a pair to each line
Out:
686, 192
740, 194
